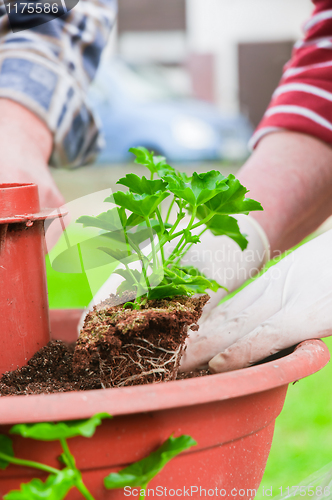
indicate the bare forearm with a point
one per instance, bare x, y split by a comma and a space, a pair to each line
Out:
291, 175
22, 129
26, 145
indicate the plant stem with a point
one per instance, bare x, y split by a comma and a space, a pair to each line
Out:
163, 230
179, 218
131, 274
29, 463
169, 210
154, 253
69, 456
137, 250
176, 235
182, 252
203, 221
127, 241
143, 488
142, 258
176, 250
137, 283
84, 490
165, 239
71, 462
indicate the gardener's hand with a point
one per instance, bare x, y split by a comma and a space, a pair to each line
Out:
26, 145
290, 303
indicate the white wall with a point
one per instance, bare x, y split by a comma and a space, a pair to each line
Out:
217, 26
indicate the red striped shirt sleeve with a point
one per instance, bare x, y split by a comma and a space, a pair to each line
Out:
303, 100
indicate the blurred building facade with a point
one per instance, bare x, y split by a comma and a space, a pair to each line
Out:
232, 50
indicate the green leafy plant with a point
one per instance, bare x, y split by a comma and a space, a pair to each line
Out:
60, 481
142, 472
208, 198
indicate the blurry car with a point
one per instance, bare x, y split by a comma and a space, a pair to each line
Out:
140, 108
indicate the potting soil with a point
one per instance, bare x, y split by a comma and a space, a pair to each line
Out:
117, 347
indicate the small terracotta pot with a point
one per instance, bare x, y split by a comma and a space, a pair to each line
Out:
24, 324
230, 415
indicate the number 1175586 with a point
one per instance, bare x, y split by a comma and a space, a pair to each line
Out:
32, 8
310, 491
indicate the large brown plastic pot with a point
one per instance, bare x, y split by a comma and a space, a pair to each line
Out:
230, 415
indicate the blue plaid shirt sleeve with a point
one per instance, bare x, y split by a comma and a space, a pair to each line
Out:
48, 69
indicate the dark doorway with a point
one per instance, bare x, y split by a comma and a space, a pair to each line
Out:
260, 69
151, 15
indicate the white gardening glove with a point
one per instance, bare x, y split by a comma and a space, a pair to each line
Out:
218, 257
290, 303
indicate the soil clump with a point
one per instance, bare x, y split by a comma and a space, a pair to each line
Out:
117, 347
131, 347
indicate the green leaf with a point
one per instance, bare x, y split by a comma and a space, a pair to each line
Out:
156, 164
112, 220
49, 431
120, 255
183, 281
140, 204
128, 275
207, 185
138, 236
162, 167
190, 238
231, 201
181, 188
142, 472
199, 188
55, 487
142, 185
191, 270
134, 219
144, 157
142, 232
129, 283
194, 283
210, 283
6, 447
225, 225
169, 290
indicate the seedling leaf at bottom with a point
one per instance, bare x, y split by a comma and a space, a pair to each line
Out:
142, 472
55, 487
49, 431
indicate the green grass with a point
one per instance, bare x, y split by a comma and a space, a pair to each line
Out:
74, 290
302, 441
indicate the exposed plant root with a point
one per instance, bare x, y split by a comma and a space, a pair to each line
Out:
131, 347
147, 365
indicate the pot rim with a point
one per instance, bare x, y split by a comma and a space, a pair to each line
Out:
308, 357
46, 213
